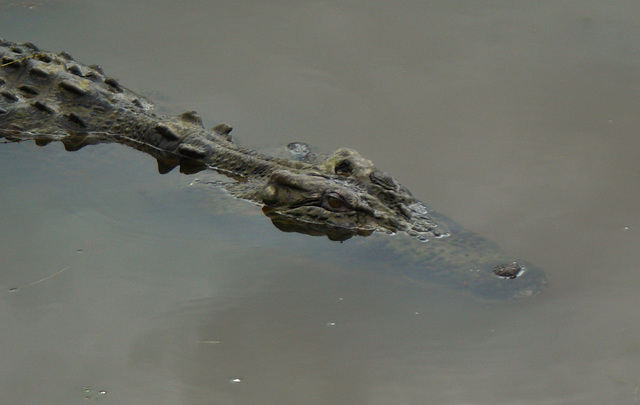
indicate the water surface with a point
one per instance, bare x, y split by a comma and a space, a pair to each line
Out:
518, 120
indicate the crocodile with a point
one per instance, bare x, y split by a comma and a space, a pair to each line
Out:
46, 97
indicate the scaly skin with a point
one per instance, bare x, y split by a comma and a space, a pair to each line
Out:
47, 97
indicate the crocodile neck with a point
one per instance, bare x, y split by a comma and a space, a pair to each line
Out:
182, 141
52, 97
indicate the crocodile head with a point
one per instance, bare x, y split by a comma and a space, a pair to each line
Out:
345, 195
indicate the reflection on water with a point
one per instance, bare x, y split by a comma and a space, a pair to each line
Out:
48, 97
521, 122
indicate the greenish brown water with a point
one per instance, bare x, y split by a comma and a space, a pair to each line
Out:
518, 120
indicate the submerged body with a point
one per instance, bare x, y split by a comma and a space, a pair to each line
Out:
47, 97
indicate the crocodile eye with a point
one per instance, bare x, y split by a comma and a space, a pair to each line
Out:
335, 202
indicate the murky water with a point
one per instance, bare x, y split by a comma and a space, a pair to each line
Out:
519, 120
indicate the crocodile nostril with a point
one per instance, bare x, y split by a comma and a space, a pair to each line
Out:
510, 270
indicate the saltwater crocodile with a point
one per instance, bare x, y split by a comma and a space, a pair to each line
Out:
48, 97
